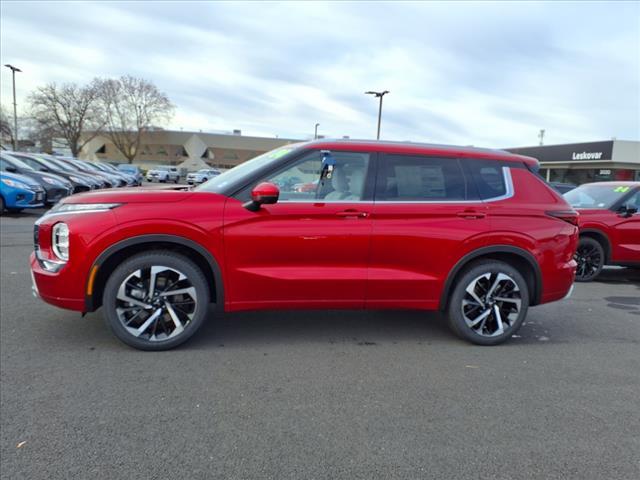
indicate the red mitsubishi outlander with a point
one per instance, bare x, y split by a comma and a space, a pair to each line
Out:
472, 232
609, 226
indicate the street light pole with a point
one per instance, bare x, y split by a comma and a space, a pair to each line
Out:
378, 95
315, 135
15, 108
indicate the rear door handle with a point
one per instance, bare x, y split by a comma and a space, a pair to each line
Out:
352, 214
471, 214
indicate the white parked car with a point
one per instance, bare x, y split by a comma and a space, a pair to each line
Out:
202, 175
163, 174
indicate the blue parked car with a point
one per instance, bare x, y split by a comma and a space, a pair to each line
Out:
18, 192
131, 170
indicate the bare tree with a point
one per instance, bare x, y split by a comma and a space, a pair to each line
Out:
68, 111
6, 130
130, 106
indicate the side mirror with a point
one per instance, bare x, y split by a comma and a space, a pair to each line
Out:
264, 193
11, 168
625, 211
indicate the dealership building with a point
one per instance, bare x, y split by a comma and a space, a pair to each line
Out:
186, 150
580, 163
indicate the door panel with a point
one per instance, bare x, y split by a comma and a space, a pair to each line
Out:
289, 254
626, 233
311, 248
426, 215
413, 248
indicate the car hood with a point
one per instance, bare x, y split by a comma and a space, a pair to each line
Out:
41, 175
19, 178
132, 195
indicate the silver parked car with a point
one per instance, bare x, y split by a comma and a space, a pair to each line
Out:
202, 176
163, 174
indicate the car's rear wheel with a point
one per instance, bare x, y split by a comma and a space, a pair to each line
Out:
590, 259
155, 300
489, 303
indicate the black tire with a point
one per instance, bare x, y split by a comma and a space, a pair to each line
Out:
461, 309
1, 205
14, 210
590, 259
172, 262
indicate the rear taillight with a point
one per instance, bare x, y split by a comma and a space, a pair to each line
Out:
569, 216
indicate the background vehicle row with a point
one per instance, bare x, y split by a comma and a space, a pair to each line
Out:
57, 177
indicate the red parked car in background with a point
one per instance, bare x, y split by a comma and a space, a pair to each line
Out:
472, 232
609, 226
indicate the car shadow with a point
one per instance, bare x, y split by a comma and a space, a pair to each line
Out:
617, 275
363, 328
27, 212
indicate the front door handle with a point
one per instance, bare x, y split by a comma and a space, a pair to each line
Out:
471, 214
352, 214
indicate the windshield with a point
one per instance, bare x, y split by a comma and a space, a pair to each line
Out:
60, 164
128, 168
596, 196
161, 169
217, 183
17, 162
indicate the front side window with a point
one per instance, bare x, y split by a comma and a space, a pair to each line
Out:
634, 201
301, 181
407, 178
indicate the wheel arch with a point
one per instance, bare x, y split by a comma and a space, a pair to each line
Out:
602, 238
507, 253
108, 260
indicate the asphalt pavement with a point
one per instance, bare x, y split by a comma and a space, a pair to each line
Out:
319, 395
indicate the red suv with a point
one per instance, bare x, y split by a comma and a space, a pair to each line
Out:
472, 232
609, 226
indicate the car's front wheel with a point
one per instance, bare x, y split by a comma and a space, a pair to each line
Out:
590, 259
155, 300
489, 303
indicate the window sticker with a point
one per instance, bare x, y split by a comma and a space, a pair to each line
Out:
621, 189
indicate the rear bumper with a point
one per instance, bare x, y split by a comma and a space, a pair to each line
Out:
560, 285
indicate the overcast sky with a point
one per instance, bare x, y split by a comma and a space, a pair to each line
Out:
487, 74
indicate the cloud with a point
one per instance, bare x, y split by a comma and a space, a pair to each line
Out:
489, 74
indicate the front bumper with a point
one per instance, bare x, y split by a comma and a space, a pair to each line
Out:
22, 198
52, 286
55, 194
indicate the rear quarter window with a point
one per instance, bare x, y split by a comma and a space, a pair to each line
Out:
488, 177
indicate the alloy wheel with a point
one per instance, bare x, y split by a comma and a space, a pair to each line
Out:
589, 260
491, 304
156, 303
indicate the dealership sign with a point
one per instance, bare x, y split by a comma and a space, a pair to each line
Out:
572, 152
586, 156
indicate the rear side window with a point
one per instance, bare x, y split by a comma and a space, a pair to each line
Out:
488, 177
417, 178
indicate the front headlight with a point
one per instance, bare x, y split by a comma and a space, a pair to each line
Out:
60, 240
76, 179
14, 184
51, 181
83, 207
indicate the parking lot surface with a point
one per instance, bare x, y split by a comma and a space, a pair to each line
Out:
320, 395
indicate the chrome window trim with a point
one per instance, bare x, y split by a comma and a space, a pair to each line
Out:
506, 173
